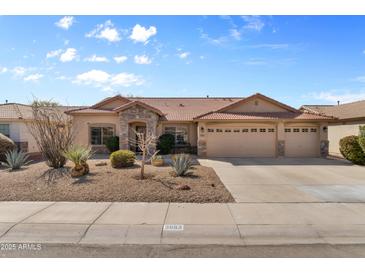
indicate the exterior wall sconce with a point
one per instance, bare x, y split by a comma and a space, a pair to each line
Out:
202, 129
325, 129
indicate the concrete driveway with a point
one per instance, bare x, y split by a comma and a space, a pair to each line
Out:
290, 180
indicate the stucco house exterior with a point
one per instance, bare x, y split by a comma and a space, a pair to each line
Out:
349, 117
255, 126
13, 124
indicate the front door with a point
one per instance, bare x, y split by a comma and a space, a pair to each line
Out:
140, 129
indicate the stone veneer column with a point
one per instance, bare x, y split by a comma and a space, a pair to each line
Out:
323, 140
280, 140
202, 141
136, 114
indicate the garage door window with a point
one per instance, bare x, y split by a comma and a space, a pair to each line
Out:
245, 130
236, 130
296, 130
304, 130
271, 130
262, 129
218, 130
287, 130
210, 130
253, 129
4, 129
227, 130
313, 130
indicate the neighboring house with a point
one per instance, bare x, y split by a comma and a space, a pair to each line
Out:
256, 126
349, 117
13, 123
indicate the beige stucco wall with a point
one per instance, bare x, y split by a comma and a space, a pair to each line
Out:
82, 124
338, 131
256, 105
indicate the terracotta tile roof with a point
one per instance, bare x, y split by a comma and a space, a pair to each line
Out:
185, 109
344, 111
87, 110
20, 111
262, 116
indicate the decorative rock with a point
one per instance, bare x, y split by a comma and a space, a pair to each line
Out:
183, 187
101, 164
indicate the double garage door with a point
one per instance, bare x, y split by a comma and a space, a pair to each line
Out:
260, 141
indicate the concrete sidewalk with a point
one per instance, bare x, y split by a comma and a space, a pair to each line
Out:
145, 223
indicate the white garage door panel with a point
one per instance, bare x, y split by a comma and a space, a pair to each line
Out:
301, 142
242, 143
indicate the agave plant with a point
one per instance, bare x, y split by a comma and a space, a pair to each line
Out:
79, 156
181, 163
16, 159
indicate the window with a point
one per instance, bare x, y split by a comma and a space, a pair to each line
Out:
262, 129
253, 129
304, 130
236, 130
99, 135
245, 130
180, 134
287, 130
4, 129
210, 130
218, 130
296, 130
227, 130
313, 130
271, 130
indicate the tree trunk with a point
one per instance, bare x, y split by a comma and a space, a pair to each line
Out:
142, 164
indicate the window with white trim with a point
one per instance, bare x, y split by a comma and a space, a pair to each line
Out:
253, 129
99, 135
271, 130
313, 130
5, 129
180, 134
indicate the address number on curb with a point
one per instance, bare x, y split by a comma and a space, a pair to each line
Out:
173, 227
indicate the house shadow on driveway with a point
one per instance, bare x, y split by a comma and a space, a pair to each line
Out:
282, 161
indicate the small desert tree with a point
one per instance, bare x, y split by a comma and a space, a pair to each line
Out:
147, 145
52, 131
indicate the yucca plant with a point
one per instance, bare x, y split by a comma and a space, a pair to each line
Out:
181, 163
16, 159
79, 156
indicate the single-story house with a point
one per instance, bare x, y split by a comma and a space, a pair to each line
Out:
13, 124
256, 126
349, 117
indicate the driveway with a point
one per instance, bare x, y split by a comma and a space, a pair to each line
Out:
290, 180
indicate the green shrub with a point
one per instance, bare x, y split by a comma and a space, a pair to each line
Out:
112, 143
181, 163
362, 137
15, 160
165, 143
351, 150
122, 158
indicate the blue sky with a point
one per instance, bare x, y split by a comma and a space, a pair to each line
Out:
79, 60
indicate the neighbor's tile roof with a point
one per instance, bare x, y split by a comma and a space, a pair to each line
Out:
343, 111
262, 116
20, 111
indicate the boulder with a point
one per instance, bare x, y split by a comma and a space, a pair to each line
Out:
6, 144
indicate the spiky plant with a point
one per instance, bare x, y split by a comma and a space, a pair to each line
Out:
181, 163
79, 156
16, 159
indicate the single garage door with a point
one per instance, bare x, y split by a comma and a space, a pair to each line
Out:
241, 141
302, 141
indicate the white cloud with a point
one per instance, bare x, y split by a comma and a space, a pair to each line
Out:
253, 22
19, 71
184, 55
33, 77
334, 96
120, 59
3, 69
360, 79
235, 34
141, 34
53, 53
106, 81
94, 58
142, 60
69, 55
65, 22
105, 31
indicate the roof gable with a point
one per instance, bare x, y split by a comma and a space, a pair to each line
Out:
257, 103
138, 103
111, 103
